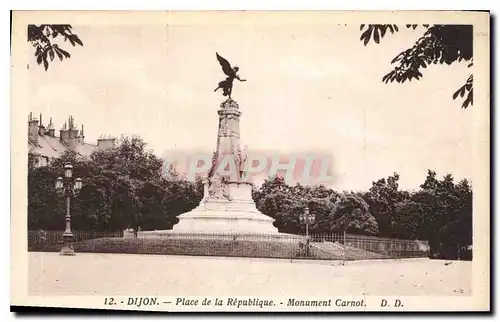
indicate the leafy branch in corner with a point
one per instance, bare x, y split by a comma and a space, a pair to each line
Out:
439, 44
41, 37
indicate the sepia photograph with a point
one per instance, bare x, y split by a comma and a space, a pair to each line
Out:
246, 161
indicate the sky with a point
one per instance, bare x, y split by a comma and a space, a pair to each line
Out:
310, 87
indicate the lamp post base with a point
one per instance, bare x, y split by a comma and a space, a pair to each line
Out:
67, 249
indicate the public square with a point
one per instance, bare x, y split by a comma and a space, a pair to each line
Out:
243, 158
125, 274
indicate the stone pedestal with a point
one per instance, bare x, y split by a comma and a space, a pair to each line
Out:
67, 249
236, 215
227, 205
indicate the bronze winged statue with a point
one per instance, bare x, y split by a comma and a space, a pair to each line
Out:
227, 84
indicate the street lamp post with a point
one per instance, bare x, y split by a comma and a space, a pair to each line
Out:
68, 188
307, 219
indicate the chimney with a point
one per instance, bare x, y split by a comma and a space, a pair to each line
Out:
69, 134
51, 130
41, 127
106, 143
64, 134
32, 129
81, 136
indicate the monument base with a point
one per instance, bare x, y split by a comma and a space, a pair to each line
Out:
233, 236
224, 220
235, 213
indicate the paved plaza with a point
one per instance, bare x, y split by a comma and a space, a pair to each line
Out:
124, 274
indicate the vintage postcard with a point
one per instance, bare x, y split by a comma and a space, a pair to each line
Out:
251, 161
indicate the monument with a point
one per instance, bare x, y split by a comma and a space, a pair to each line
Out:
227, 205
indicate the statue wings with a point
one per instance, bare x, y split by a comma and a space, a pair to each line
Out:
226, 67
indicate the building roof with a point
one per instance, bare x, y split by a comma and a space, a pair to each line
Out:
52, 147
84, 149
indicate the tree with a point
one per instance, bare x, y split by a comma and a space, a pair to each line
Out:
439, 44
323, 203
334, 212
133, 190
42, 37
352, 215
414, 217
276, 200
181, 196
459, 233
382, 199
122, 187
449, 217
121, 184
440, 212
46, 209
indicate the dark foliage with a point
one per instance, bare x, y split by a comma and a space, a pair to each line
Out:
439, 44
122, 187
42, 38
334, 212
439, 212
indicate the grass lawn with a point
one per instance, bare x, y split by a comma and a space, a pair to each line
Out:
214, 247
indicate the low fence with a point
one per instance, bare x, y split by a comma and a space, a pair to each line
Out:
334, 246
394, 248
397, 248
40, 239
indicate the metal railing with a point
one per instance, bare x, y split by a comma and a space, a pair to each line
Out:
333, 246
40, 239
392, 247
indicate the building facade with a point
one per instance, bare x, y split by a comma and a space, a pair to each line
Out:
45, 145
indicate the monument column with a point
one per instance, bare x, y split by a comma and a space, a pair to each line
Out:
228, 137
227, 158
